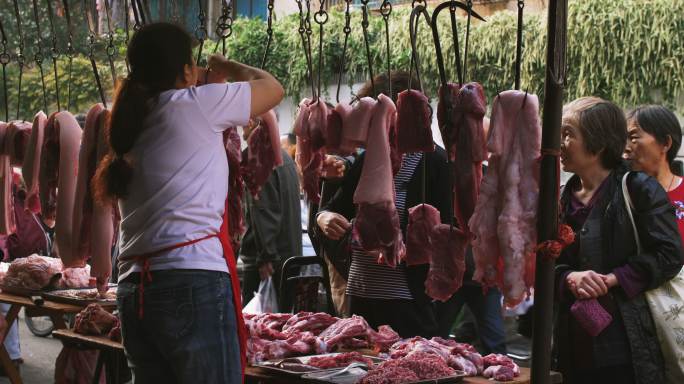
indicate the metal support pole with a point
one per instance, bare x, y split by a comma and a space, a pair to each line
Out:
547, 223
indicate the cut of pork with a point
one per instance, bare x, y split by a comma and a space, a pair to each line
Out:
414, 122
31, 166
504, 222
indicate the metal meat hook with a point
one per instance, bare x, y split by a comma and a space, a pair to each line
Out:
417, 12
451, 5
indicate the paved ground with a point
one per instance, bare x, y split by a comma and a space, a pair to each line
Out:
39, 356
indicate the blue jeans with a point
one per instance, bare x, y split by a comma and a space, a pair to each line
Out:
188, 333
486, 307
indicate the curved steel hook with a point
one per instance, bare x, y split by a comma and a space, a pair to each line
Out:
417, 11
451, 5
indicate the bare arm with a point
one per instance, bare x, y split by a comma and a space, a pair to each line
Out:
267, 92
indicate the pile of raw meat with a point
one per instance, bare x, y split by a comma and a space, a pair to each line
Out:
281, 335
34, 272
459, 356
413, 367
95, 321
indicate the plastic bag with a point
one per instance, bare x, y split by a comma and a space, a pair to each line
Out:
265, 300
665, 303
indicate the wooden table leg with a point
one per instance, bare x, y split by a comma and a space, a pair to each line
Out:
8, 365
5, 359
58, 321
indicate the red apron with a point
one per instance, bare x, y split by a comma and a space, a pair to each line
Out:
229, 256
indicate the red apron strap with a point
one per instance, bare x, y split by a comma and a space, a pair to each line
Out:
229, 255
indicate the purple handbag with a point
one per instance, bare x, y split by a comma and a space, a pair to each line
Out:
591, 315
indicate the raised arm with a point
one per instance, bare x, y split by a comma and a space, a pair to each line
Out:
267, 92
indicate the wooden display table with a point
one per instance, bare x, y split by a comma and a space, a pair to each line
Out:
111, 353
256, 375
55, 311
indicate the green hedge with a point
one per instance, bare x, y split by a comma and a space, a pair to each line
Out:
628, 51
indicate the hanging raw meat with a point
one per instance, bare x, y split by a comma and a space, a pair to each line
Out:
396, 157
310, 128
414, 122
7, 222
464, 139
29, 169
236, 222
263, 153
377, 226
447, 265
58, 160
318, 125
355, 126
504, 222
336, 119
83, 199
93, 223
422, 220
16, 141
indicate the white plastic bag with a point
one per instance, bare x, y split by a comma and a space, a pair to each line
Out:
265, 300
666, 303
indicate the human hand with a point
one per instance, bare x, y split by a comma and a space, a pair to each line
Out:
266, 270
208, 76
333, 225
611, 280
333, 167
586, 284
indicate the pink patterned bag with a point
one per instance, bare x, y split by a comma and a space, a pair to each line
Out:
591, 316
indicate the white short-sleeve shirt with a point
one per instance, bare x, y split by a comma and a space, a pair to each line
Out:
180, 178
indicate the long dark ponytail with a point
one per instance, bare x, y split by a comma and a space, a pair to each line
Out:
157, 55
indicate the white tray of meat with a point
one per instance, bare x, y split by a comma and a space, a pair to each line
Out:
328, 362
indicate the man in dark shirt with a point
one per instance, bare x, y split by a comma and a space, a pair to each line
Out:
273, 222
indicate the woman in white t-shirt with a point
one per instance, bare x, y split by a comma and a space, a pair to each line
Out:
168, 171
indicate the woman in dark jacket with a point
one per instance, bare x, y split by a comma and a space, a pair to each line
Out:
603, 263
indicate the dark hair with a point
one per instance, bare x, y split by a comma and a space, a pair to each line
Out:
603, 126
400, 82
157, 55
292, 138
660, 123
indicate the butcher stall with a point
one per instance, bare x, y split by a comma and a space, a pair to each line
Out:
53, 158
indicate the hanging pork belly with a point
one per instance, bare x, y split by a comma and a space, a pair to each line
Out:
504, 222
31, 166
377, 226
58, 160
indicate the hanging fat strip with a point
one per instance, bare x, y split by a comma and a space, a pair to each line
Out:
58, 173
31, 164
82, 220
93, 223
